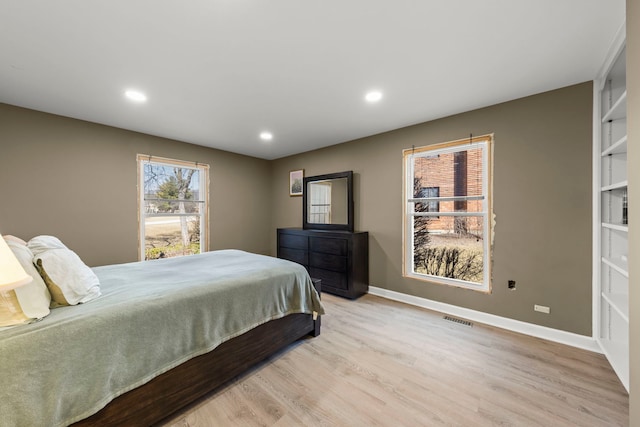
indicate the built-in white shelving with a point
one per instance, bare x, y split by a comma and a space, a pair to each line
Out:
618, 110
618, 302
616, 186
617, 264
611, 239
619, 227
618, 147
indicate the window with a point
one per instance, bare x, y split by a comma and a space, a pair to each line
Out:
173, 205
447, 234
432, 194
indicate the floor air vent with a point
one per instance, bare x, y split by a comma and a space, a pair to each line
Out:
460, 321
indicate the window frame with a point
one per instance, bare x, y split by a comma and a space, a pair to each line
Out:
484, 142
203, 170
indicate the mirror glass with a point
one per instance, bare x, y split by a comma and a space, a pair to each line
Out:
328, 201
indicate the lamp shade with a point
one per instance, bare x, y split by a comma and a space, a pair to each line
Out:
12, 275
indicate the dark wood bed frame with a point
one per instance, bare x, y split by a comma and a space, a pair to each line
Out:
184, 384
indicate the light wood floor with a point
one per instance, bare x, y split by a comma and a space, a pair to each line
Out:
382, 363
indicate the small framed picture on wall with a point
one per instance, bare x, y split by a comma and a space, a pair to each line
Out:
295, 182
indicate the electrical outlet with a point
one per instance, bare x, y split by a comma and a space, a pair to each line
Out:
541, 308
511, 284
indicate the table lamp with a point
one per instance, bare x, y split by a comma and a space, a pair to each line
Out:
12, 275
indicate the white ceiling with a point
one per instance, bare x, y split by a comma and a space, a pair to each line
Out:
218, 72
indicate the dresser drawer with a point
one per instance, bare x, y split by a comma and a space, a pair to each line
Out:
295, 255
329, 245
294, 241
328, 262
330, 279
339, 258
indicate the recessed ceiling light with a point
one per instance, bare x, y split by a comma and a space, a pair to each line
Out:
266, 136
135, 95
373, 96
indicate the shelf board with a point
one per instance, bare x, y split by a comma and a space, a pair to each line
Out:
618, 110
616, 186
620, 303
618, 147
617, 264
619, 227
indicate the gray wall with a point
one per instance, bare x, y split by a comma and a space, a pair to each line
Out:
633, 131
542, 202
78, 181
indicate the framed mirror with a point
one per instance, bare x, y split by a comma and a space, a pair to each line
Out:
327, 202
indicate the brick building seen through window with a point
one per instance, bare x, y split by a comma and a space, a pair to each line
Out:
436, 176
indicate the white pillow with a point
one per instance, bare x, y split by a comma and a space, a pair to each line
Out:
69, 280
29, 302
8, 237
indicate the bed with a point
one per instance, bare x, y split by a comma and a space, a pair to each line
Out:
162, 334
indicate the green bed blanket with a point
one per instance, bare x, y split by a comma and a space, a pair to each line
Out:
152, 316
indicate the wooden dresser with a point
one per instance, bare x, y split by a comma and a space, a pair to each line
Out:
339, 258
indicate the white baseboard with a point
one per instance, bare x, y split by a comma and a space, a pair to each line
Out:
556, 335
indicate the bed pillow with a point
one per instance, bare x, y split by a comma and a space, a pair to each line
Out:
29, 302
14, 239
70, 281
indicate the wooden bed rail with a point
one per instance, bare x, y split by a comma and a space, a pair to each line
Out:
184, 384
